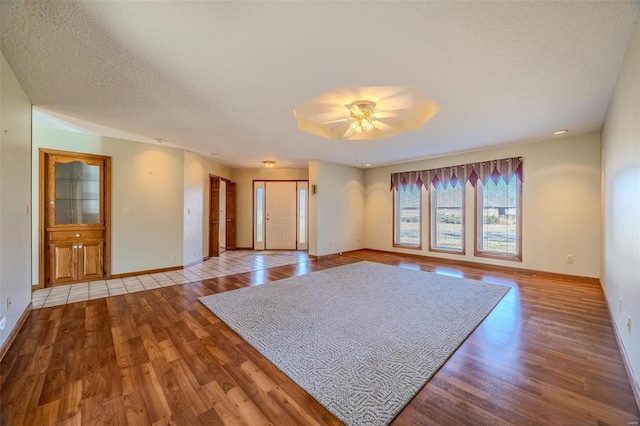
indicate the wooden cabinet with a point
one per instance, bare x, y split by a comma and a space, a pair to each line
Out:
75, 258
75, 217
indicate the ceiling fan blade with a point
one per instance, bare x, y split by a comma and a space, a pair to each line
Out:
381, 126
347, 134
390, 113
341, 120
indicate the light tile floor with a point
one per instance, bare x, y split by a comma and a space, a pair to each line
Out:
229, 263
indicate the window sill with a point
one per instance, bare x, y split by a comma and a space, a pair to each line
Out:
439, 250
408, 246
512, 258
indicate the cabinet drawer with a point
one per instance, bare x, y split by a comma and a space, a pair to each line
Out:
75, 235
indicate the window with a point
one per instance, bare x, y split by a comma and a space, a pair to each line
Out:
498, 225
302, 223
447, 219
407, 217
259, 215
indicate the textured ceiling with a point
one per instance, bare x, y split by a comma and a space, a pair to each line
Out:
224, 77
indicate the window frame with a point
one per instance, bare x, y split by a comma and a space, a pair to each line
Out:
395, 228
432, 222
477, 233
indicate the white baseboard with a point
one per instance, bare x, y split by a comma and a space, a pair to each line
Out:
623, 352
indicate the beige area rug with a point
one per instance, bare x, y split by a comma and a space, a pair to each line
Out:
362, 339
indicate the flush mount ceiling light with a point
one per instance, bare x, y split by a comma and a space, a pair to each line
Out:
560, 132
365, 112
269, 164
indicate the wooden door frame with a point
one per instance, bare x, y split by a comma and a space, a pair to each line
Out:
230, 222
42, 209
217, 214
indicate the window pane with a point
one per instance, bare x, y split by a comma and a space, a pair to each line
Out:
259, 215
302, 232
407, 216
447, 212
498, 217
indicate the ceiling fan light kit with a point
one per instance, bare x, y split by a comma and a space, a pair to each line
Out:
363, 113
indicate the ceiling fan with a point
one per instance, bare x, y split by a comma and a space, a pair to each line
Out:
401, 109
364, 118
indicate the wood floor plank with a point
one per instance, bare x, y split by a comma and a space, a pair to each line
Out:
547, 354
70, 403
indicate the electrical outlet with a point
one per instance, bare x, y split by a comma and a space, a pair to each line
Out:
3, 323
629, 324
569, 258
620, 305
125, 210
172, 258
330, 243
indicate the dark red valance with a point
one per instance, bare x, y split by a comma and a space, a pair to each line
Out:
481, 171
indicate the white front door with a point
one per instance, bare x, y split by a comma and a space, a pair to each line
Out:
280, 212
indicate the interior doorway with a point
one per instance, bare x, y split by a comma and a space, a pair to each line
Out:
222, 215
222, 232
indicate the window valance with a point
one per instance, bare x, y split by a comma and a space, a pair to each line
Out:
481, 171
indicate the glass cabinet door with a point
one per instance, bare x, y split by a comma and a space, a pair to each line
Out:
75, 188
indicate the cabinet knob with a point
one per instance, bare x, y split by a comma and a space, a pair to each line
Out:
77, 235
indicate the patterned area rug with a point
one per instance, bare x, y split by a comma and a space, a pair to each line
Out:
362, 339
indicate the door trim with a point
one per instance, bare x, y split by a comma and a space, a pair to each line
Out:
217, 213
42, 224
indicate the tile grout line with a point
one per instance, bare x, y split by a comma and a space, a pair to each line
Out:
184, 276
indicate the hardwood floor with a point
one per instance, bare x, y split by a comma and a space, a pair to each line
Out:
545, 355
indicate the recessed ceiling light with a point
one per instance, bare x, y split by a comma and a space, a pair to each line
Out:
368, 165
560, 132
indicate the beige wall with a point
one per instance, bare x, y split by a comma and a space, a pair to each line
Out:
147, 179
15, 220
244, 196
621, 205
560, 214
196, 204
336, 211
